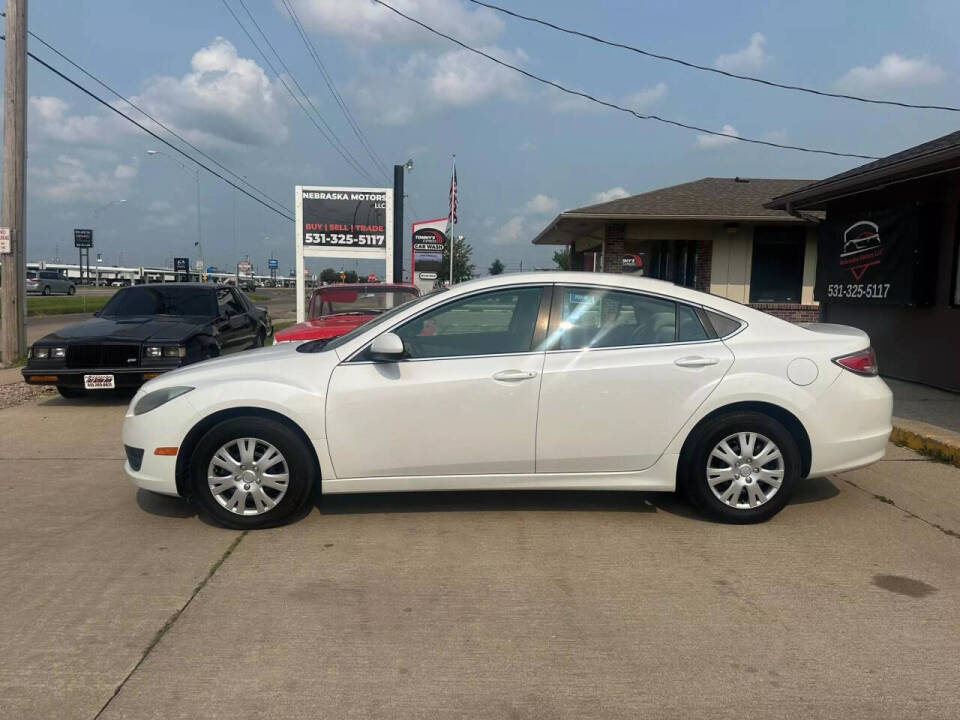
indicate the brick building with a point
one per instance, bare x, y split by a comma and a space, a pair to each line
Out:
712, 234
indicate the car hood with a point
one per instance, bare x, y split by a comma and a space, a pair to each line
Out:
130, 329
329, 326
276, 364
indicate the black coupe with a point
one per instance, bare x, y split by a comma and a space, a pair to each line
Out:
143, 331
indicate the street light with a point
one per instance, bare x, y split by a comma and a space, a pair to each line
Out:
398, 220
196, 177
96, 212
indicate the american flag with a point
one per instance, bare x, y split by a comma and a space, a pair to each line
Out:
453, 196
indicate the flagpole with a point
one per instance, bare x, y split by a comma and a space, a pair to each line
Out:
453, 215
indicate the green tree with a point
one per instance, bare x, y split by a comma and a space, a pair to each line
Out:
463, 269
496, 267
351, 276
561, 259
328, 275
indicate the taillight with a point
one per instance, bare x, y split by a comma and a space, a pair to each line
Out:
862, 362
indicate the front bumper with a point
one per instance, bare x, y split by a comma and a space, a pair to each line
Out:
73, 378
145, 433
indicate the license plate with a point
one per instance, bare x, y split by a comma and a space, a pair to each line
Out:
99, 382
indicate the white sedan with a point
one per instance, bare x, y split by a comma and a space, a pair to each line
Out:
541, 380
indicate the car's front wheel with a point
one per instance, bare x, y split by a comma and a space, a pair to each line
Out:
741, 467
252, 472
71, 290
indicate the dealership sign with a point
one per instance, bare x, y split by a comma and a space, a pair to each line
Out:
181, 264
872, 257
273, 263
342, 222
82, 238
426, 247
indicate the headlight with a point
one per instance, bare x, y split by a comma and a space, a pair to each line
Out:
41, 353
58, 353
151, 401
169, 351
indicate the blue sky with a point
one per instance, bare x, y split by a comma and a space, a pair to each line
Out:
524, 152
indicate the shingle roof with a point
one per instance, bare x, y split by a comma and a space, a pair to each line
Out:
708, 197
914, 160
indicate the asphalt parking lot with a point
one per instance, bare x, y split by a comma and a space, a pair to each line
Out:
119, 604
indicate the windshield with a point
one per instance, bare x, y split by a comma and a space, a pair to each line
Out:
32, 275
384, 318
159, 300
371, 300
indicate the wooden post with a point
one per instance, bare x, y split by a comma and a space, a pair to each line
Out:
13, 338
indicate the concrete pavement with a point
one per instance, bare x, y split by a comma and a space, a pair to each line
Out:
489, 605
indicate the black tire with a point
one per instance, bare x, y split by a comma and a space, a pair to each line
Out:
301, 469
72, 290
694, 467
71, 393
261, 339
46, 290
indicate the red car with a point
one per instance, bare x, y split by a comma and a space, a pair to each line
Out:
337, 309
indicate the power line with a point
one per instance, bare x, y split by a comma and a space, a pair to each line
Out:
150, 132
614, 106
302, 91
153, 119
331, 86
707, 68
334, 141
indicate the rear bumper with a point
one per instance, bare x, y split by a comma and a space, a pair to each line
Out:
123, 377
850, 425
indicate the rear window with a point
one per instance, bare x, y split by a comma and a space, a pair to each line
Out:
723, 324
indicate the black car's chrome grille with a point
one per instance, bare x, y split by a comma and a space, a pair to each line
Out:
103, 356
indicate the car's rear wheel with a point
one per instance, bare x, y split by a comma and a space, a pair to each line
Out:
252, 472
46, 290
741, 467
71, 393
71, 290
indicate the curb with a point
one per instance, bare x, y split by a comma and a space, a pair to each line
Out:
935, 442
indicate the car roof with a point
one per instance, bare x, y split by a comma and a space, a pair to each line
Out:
366, 286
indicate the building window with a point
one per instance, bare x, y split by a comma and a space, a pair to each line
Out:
777, 271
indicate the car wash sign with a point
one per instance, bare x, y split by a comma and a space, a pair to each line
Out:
870, 257
426, 246
342, 222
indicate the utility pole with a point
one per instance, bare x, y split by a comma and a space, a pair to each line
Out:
397, 258
13, 307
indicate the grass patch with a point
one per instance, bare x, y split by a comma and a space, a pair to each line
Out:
64, 304
259, 297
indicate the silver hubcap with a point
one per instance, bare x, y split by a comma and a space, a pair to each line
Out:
745, 470
248, 476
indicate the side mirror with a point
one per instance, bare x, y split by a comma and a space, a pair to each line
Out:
386, 348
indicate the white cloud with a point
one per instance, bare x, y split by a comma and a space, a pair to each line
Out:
426, 83
715, 141
366, 20
639, 100
511, 232
752, 58
893, 71
50, 116
69, 179
614, 193
225, 100
540, 204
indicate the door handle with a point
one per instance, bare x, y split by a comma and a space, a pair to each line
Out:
695, 361
514, 375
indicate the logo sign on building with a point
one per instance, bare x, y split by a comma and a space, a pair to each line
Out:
82, 238
181, 264
633, 263
342, 222
426, 246
273, 263
875, 257
5, 246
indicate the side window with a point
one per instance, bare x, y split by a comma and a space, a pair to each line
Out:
722, 324
227, 303
493, 323
689, 327
591, 317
